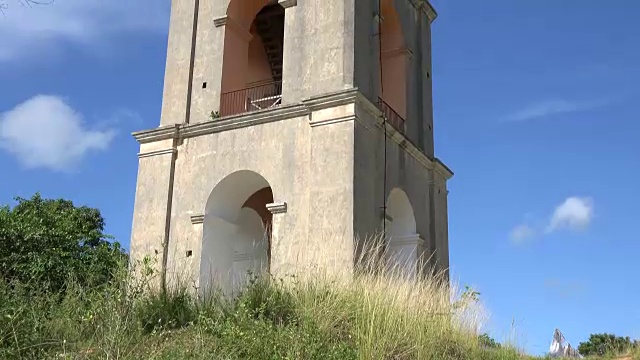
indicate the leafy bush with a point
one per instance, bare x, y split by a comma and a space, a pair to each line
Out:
45, 242
605, 344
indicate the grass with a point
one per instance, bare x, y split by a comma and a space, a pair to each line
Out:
311, 317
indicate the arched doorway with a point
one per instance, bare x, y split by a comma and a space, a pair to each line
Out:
252, 60
237, 232
401, 237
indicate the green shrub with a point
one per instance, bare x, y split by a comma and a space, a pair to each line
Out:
45, 242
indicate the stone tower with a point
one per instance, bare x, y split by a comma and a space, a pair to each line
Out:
290, 131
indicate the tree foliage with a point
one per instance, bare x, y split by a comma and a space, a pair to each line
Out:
45, 242
605, 344
488, 342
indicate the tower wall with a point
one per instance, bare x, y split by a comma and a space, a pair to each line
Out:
405, 167
321, 151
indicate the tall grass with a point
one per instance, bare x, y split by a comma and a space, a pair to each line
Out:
311, 315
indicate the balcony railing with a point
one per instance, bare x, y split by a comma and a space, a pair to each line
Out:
392, 116
251, 99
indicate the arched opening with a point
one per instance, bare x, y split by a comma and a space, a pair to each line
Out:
401, 237
237, 232
252, 60
394, 61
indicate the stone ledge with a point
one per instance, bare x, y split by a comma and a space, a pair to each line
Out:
426, 7
242, 120
161, 133
287, 3
331, 99
277, 208
157, 152
197, 219
220, 20
286, 112
332, 121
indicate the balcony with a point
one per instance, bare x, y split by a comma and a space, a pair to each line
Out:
255, 98
392, 117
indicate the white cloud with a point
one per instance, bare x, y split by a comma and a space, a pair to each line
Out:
574, 213
27, 29
521, 233
553, 107
45, 132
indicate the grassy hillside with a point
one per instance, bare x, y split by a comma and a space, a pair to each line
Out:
315, 317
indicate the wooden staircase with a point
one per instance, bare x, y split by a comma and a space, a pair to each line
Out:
270, 26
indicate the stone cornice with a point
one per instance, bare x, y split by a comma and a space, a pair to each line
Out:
402, 141
161, 133
242, 120
230, 24
426, 7
197, 219
157, 152
443, 169
277, 208
309, 105
287, 3
332, 99
314, 123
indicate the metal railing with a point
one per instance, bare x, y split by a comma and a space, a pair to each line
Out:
251, 99
392, 116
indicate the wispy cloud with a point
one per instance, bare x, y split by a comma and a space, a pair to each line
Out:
28, 29
45, 132
553, 107
573, 214
565, 289
521, 233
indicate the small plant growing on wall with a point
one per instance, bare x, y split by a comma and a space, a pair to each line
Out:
214, 115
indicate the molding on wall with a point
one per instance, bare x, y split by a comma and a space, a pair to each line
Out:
157, 152
197, 219
220, 20
443, 169
160, 133
231, 24
277, 208
286, 112
426, 7
243, 120
332, 121
287, 3
333, 99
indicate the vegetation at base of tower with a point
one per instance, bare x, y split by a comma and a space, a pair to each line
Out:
55, 308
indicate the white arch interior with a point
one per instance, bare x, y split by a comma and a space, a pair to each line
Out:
250, 247
401, 235
234, 239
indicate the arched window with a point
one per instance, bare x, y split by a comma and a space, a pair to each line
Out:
252, 60
394, 58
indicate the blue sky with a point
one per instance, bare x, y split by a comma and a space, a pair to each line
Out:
535, 112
